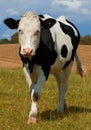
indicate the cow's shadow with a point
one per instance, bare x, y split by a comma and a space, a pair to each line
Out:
52, 114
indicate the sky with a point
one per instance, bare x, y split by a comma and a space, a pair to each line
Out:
77, 11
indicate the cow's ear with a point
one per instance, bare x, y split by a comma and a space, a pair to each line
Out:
48, 23
11, 23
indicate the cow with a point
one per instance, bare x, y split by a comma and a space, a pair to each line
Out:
46, 46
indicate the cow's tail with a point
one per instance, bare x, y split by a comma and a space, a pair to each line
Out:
80, 68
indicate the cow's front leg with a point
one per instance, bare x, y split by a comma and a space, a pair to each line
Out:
33, 111
35, 96
27, 76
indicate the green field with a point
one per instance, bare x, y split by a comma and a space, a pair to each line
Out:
15, 103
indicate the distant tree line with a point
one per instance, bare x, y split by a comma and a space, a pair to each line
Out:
14, 39
86, 40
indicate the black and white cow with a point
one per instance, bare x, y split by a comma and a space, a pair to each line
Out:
47, 45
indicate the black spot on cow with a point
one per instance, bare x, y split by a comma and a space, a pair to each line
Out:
64, 51
67, 30
74, 39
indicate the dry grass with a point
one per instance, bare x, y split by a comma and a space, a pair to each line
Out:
15, 103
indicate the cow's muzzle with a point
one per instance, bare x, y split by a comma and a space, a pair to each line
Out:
27, 52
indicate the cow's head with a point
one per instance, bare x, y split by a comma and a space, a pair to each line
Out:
29, 28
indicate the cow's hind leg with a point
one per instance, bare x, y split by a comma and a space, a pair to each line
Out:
62, 80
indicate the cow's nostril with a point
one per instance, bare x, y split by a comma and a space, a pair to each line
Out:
31, 50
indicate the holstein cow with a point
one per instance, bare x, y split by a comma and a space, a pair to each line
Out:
47, 45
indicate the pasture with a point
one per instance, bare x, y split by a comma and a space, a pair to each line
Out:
15, 103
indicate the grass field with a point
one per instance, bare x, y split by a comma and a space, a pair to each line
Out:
15, 103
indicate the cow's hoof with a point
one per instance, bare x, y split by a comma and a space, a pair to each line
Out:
61, 110
32, 119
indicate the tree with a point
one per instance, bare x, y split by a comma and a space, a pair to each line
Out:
86, 40
14, 38
4, 41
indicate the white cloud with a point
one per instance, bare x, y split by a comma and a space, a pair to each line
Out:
76, 10
53, 7
85, 11
12, 11
71, 4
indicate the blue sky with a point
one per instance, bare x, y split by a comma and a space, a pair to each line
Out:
77, 11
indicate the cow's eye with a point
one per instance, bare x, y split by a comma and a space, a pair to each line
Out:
36, 33
21, 31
